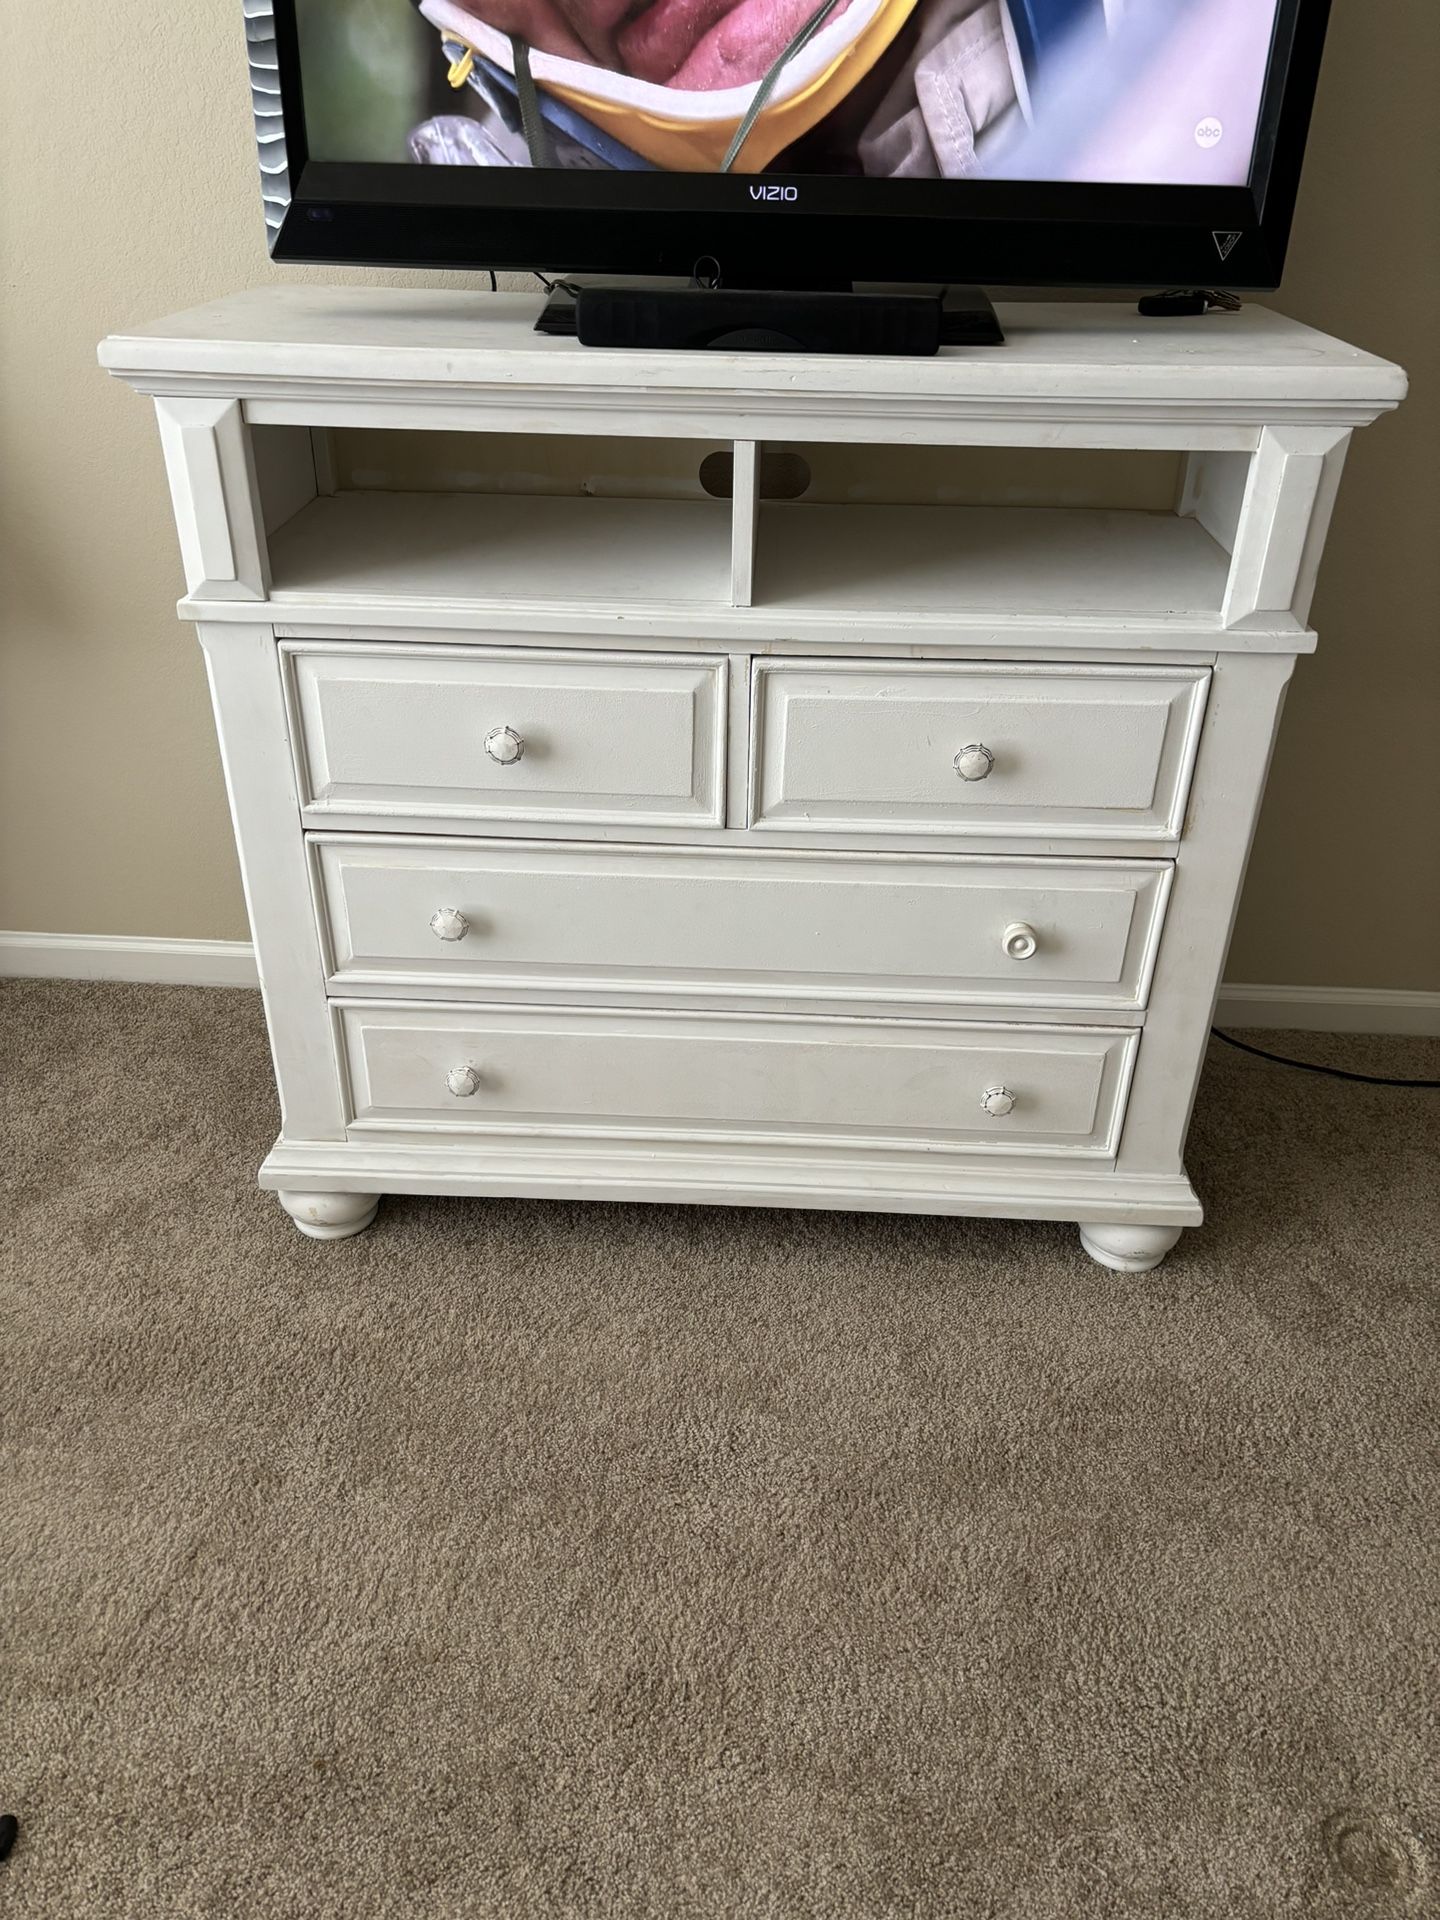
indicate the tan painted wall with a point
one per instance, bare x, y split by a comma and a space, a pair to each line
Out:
129, 191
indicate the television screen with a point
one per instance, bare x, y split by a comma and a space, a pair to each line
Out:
1164, 92
793, 142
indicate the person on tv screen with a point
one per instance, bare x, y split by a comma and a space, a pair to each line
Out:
1106, 91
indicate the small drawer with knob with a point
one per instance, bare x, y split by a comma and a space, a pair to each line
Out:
455, 736
786, 928
929, 1085
1048, 752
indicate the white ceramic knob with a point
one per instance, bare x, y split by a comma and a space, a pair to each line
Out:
997, 1100
448, 923
462, 1082
504, 746
974, 762
1019, 940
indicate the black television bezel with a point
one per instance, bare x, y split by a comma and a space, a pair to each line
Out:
992, 233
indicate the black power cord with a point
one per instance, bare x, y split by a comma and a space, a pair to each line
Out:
1311, 1066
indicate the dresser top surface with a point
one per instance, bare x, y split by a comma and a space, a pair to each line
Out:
456, 340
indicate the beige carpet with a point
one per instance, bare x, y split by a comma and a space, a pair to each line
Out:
585, 1561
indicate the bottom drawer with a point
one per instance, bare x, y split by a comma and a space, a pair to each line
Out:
901, 1083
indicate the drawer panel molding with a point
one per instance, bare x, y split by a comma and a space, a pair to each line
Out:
1044, 752
492, 918
464, 1072
451, 734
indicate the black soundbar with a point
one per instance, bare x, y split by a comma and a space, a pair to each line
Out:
743, 320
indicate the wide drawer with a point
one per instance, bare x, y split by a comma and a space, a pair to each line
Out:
1090, 753
900, 1083
502, 917
477, 733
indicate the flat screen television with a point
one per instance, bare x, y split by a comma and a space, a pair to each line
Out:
797, 143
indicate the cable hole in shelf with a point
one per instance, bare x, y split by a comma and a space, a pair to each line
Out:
784, 474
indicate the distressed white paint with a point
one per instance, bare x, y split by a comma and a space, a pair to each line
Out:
1212, 489
250, 717
931, 561
734, 1077
1242, 716
286, 473
956, 632
216, 497
311, 347
428, 550
1128, 1247
467, 734
746, 522
1281, 495
737, 931
492, 919
411, 549
1022, 751
328, 1215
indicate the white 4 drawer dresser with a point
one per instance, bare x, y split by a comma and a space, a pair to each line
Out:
756, 779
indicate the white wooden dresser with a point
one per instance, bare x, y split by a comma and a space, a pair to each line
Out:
605, 838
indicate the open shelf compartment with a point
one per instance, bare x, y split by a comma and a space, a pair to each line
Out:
446, 517
928, 536
947, 534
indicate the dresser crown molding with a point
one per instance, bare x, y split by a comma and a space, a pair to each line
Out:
1061, 359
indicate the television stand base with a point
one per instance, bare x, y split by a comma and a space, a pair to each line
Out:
769, 320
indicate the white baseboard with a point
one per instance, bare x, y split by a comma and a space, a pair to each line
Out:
1330, 1009
93, 956
231, 963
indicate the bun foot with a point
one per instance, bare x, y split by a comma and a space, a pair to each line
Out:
1125, 1248
330, 1216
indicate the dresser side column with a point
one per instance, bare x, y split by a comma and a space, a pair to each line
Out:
1242, 718
252, 722
216, 496
1284, 514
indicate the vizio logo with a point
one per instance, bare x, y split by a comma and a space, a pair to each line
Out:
774, 193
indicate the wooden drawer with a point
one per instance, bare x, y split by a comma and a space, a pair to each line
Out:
899, 1083
1085, 752
505, 917
476, 733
